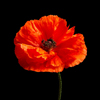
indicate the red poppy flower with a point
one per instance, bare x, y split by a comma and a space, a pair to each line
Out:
48, 45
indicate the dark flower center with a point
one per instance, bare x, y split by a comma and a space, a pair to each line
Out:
48, 45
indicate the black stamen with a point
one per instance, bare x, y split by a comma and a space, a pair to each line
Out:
48, 45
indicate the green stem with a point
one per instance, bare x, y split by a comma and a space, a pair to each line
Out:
60, 86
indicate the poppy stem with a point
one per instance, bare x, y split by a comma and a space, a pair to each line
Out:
60, 86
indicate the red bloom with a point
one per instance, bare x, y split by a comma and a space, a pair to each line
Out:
48, 45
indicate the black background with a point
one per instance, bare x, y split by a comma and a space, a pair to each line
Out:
30, 85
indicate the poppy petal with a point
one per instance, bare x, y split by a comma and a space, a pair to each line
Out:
69, 33
47, 25
72, 51
29, 34
30, 56
19, 39
55, 64
53, 26
60, 29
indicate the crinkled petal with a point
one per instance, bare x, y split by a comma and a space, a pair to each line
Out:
29, 34
53, 26
30, 57
68, 34
53, 65
47, 24
60, 29
73, 51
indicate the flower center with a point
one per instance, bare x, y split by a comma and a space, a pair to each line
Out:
48, 45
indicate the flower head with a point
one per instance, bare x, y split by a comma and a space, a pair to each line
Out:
48, 45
